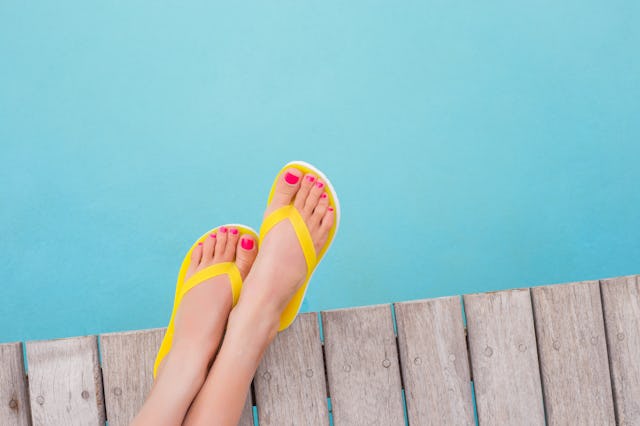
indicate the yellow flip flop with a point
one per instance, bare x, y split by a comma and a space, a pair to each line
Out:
182, 286
302, 232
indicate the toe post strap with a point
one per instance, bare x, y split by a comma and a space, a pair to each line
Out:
228, 268
302, 232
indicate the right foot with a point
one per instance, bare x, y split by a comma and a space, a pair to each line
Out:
203, 311
281, 263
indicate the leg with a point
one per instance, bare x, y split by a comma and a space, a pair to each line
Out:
277, 273
199, 326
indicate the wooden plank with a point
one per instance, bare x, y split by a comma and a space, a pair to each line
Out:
65, 383
504, 359
362, 366
290, 383
621, 303
434, 362
14, 400
127, 369
573, 354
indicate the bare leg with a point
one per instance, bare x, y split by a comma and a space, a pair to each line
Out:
277, 273
199, 326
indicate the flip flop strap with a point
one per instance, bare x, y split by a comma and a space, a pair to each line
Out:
228, 268
300, 228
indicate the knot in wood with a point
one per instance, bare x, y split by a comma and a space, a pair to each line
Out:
522, 347
386, 363
452, 357
309, 373
40, 399
346, 368
620, 336
266, 376
84, 394
594, 340
417, 360
488, 351
13, 404
556, 345
117, 391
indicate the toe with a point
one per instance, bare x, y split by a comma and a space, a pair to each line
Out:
312, 199
246, 252
196, 257
305, 187
221, 244
232, 242
286, 188
319, 211
327, 220
208, 247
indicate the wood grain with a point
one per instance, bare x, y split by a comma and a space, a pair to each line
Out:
14, 398
65, 382
504, 359
573, 354
621, 303
434, 362
290, 383
362, 366
127, 369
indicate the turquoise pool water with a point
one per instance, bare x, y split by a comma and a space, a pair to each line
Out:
475, 146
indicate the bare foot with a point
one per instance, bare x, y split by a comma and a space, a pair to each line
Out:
280, 267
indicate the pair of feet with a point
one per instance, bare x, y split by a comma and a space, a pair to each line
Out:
278, 269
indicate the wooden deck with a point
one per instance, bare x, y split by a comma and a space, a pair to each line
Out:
566, 354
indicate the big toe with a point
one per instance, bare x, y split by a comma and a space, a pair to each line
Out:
246, 251
286, 188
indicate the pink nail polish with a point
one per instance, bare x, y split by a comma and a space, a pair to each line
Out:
234, 231
324, 195
291, 178
330, 209
212, 235
310, 178
223, 229
246, 244
319, 184
199, 244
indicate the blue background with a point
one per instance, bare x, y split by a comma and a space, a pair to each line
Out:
475, 146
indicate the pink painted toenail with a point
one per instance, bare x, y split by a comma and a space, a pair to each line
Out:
246, 243
291, 178
223, 229
212, 235
330, 209
310, 178
199, 244
234, 231
319, 184
324, 195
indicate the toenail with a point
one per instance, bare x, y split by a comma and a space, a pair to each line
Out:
291, 178
212, 235
246, 243
199, 244
234, 231
310, 178
324, 195
330, 209
223, 229
319, 184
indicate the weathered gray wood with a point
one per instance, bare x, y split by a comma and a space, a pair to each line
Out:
434, 361
247, 412
65, 382
14, 400
573, 354
127, 370
290, 383
621, 303
362, 366
504, 359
